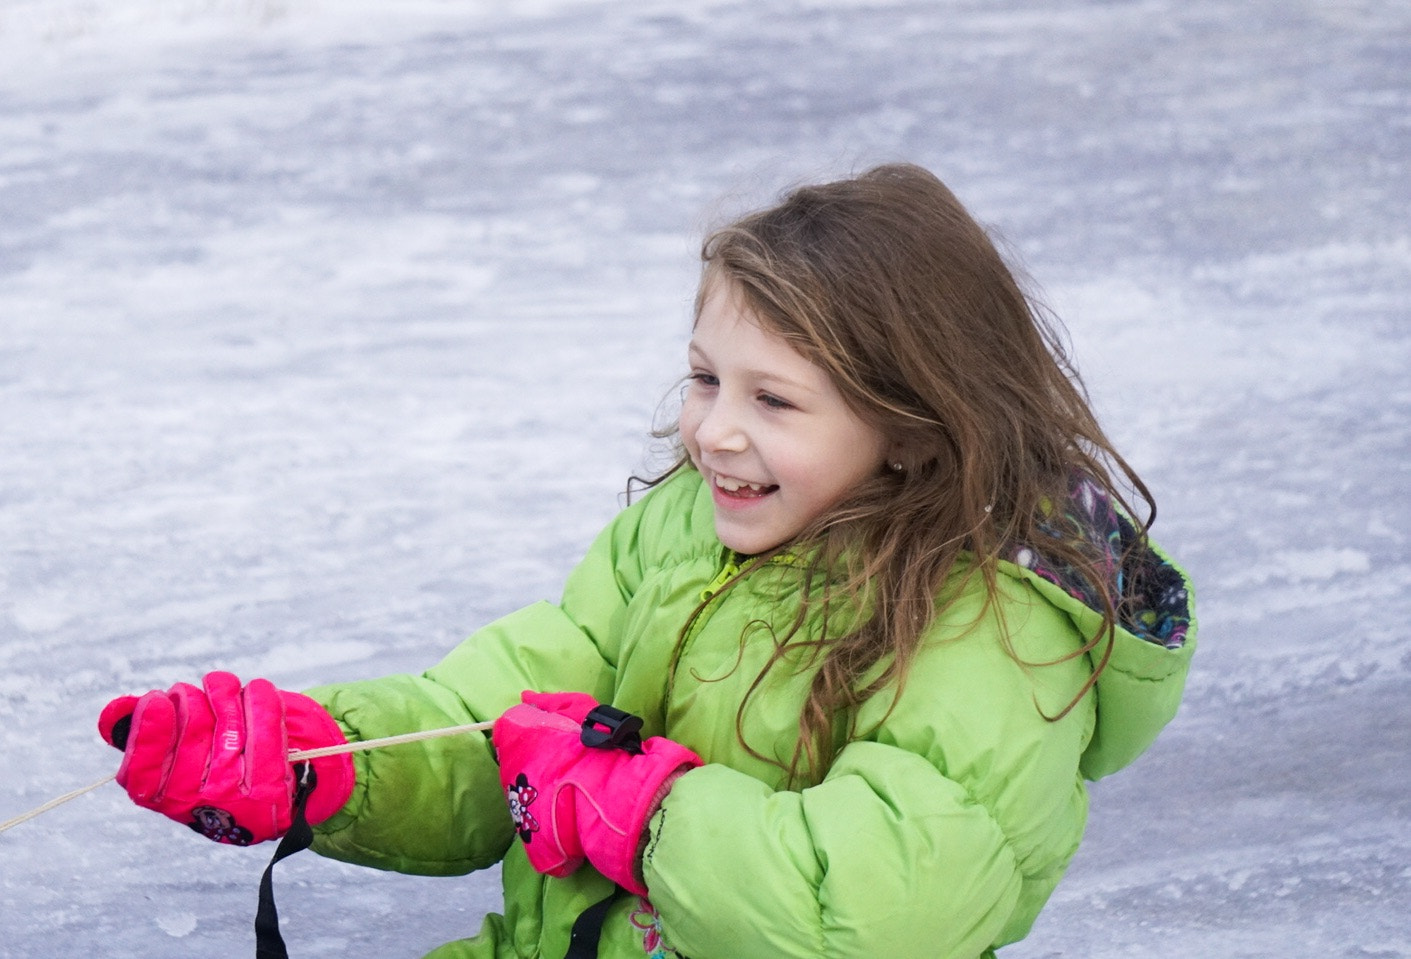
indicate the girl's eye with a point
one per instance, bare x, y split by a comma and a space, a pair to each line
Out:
774, 402
704, 379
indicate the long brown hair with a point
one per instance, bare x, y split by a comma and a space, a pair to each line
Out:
887, 283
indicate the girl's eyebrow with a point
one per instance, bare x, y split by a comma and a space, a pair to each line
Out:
694, 350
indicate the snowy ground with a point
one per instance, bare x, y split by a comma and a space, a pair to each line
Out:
329, 330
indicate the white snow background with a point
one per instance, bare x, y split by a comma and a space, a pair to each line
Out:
329, 330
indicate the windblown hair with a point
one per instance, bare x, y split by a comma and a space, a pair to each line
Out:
886, 283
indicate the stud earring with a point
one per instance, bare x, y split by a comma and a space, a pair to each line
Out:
896, 467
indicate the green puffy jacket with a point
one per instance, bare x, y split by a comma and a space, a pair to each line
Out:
939, 833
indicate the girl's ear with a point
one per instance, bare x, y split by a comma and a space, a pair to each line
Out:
914, 452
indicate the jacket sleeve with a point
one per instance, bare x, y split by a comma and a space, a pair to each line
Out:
435, 807
937, 834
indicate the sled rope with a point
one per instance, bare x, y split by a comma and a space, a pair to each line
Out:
56, 801
296, 755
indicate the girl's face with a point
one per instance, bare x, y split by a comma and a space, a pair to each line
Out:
767, 429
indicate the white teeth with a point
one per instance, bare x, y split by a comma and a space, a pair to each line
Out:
733, 485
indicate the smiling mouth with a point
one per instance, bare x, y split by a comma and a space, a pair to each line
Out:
736, 489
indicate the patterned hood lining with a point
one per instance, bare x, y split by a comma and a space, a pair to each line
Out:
1155, 603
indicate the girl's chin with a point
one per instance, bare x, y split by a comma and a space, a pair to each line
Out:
748, 539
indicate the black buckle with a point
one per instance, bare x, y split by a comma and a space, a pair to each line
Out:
607, 727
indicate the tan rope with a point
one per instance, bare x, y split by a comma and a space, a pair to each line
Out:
56, 801
297, 755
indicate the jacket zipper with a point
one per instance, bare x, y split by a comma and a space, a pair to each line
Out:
731, 568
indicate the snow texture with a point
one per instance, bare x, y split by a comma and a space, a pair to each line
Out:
330, 329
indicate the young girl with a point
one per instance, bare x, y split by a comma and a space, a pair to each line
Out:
883, 617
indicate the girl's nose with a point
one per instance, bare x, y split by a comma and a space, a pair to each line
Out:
720, 430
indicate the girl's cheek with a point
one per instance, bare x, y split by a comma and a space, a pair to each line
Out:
687, 423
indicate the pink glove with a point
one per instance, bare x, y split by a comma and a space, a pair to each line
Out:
215, 758
591, 783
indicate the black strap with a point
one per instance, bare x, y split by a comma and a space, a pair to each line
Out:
588, 928
269, 944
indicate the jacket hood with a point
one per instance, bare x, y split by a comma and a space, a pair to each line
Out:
1141, 684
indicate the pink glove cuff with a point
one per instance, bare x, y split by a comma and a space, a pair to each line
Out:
613, 812
309, 726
